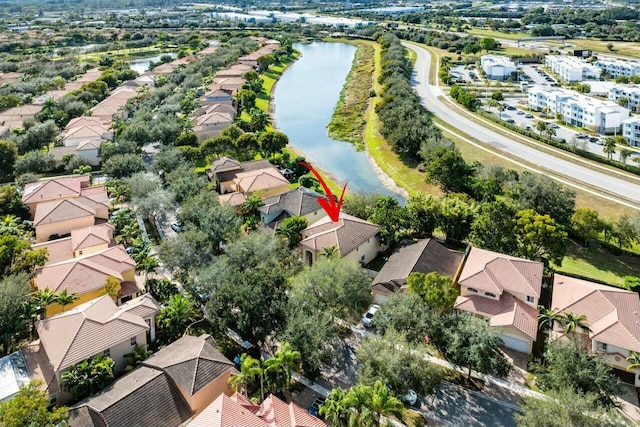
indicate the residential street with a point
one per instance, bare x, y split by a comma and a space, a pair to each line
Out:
624, 185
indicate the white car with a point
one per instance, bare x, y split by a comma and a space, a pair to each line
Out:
411, 397
367, 319
176, 226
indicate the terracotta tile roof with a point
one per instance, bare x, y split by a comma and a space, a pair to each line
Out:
232, 199
61, 210
495, 272
85, 131
228, 81
40, 368
224, 412
224, 164
214, 118
83, 238
508, 311
262, 179
90, 144
213, 108
85, 274
51, 189
297, 202
192, 362
613, 314
144, 397
243, 401
87, 121
423, 256
144, 306
347, 234
86, 330
279, 414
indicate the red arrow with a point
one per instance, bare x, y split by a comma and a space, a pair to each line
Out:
331, 207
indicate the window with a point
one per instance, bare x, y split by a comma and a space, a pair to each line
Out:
472, 290
134, 342
490, 294
530, 299
601, 346
79, 252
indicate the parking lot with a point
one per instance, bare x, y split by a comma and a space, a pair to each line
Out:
538, 75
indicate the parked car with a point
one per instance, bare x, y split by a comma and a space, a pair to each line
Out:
581, 136
314, 409
176, 226
528, 116
593, 139
411, 397
510, 121
519, 112
553, 126
367, 319
527, 128
510, 107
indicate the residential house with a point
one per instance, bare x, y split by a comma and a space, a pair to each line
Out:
505, 290
59, 217
212, 124
53, 189
86, 276
599, 115
15, 117
423, 256
235, 199
95, 327
497, 67
143, 397
300, 201
238, 411
217, 95
230, 176
233, 84
612, 315
237, 70
216, 108
79, 133
82, 241
354, 238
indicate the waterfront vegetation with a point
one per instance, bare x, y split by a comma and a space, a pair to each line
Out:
348, 120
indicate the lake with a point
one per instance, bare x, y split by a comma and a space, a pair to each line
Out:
142, 65
305, 98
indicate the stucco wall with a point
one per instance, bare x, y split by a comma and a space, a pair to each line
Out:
209, 393
44, 231
369, 249
54, 309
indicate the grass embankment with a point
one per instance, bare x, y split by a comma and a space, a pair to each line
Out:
403, 174
348, 120
480, 32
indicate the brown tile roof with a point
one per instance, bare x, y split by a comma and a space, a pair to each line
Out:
85, 131
297, 202
279, 414
508, 311
85, 274
224, 412
347, 234
192, 362
214, 118
423, 256
495, 272
613, 314
40, 368
144, 306
61, 210
86, 330
81, 238
232, 199
87, 121
224, 164
262, 179
51, 189
144, 397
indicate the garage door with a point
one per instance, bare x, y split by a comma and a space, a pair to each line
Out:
515, 343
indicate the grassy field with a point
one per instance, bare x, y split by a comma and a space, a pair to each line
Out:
481, 32
619, 48
269, 78
348, 119
404, 175
599, 264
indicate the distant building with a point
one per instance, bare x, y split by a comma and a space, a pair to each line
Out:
497, 67
571, 69
631, 131
601, 116
631, 93
618, 67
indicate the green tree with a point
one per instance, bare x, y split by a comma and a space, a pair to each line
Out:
573, 322
586, 224
139, 354
123, 165
625, 231
30, 407
161, 289
547, 317
488, 43
361, 205
609, 147
250, 370
246, 146
422, 214
497, 96
14, 290
471, 49
541, 126
291, 229
265, 61
439, 291
272, 142
176, 316
8, 157
335, 408
34, 161
285, 361
544, 195
246, 99
568, 365
447, 169
64, 298
539, 238
88, 377
11, 203
112, 288
457, 214
391, 217
567, 408
184, 183
496, 215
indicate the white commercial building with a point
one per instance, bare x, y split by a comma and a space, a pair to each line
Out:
631, 93
497, 67
618, 67
599, 115
631, 131
571, 69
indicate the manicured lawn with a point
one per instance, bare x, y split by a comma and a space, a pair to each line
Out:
481, 32
599, 264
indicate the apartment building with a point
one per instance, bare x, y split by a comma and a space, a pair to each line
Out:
602, 116
497, 67
631, 93
571, 69
631, 131
618, 67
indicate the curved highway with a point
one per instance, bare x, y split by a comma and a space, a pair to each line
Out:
599, 183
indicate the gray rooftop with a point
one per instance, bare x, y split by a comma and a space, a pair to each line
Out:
297, 202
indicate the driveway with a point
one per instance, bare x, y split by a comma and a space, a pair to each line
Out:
453, 405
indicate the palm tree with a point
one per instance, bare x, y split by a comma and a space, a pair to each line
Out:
625, 153
136, 357
64, 298
283, 362
11, 224
330, 252
501, 108
551, 132
250, 368
609, 147
541, 126
383, 403
492, 103
634, 361
112, 287
547, 317
334, 409
44, 297
149, 264
129, 233
573, 322
176, 316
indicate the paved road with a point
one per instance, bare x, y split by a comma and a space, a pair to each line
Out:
622, 185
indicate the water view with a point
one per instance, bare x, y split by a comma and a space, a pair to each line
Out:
305, 98
142, 65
